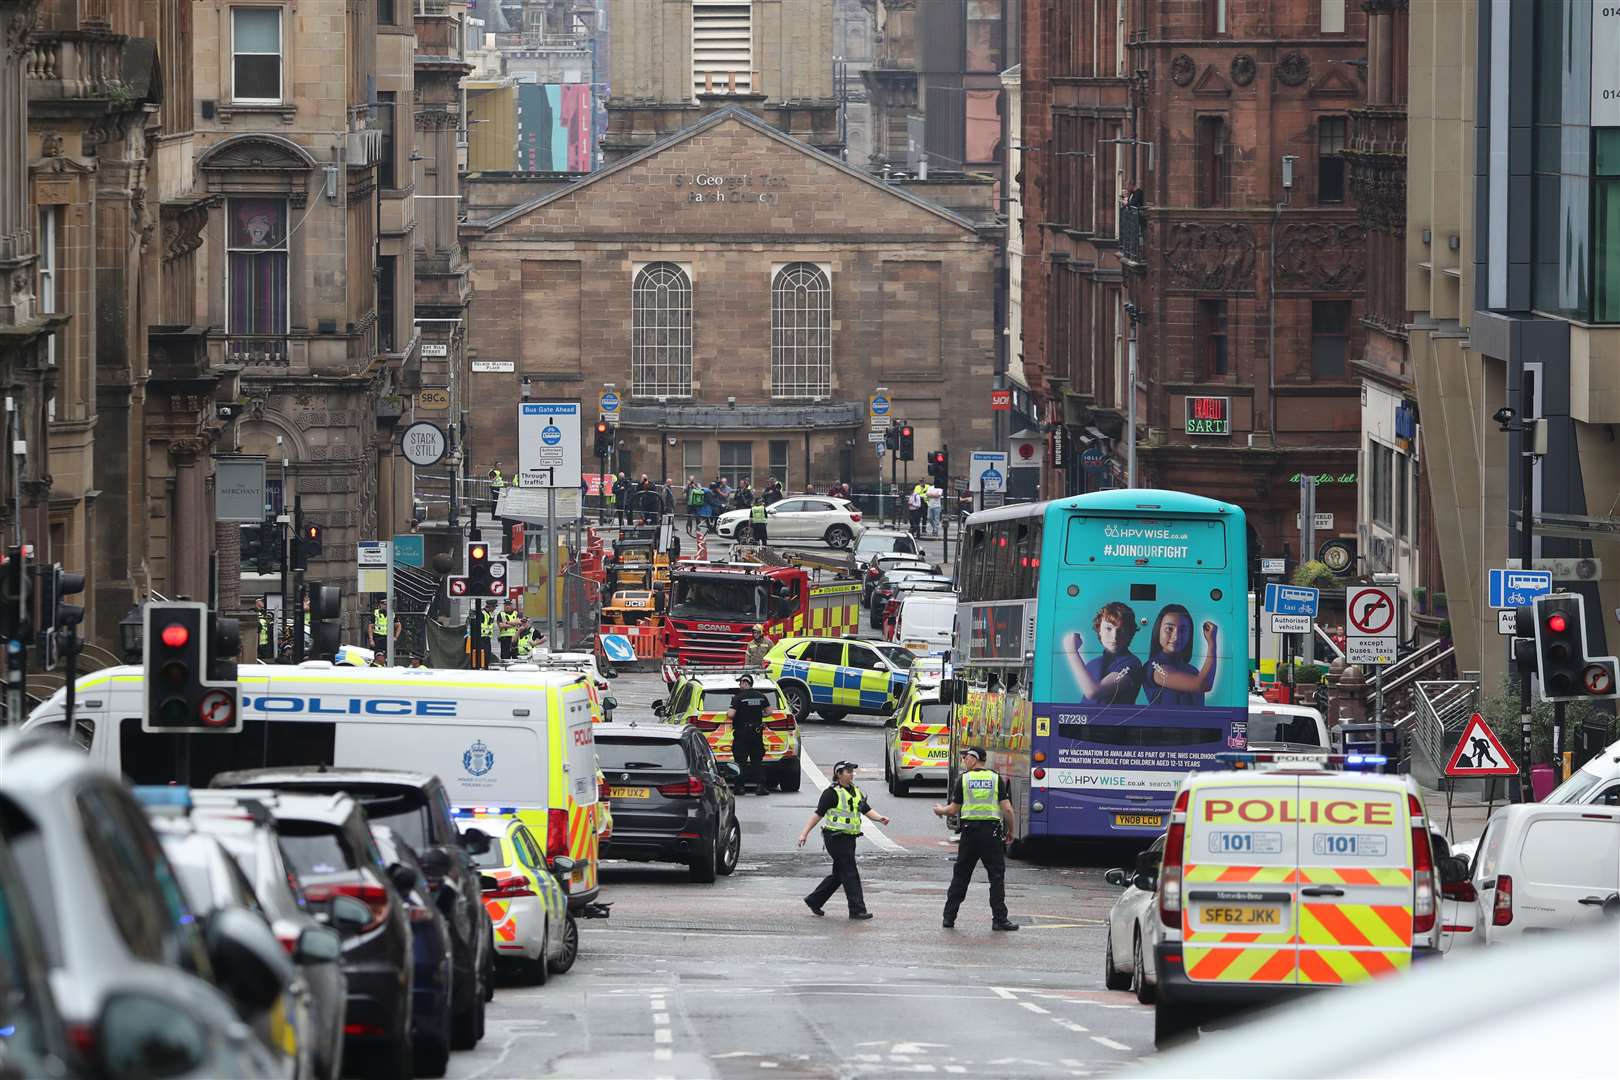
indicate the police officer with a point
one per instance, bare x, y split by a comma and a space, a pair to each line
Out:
497, 483
758, 646
510, 623
981, 801
747, 716
267, 649
839, 813
756, 523
379, 628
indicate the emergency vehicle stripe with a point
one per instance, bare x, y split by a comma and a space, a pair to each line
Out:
1279, 968
1398, 919
1314, 969
1258, 875
1212, 963
1353, 875
1375, 963
1238, 873
1335, 922
1239, 965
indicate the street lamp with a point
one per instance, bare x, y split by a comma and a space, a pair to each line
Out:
132, 636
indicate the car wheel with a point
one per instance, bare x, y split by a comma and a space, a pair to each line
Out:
570, 947
790, 777
1113, 978
431, 1056
394, 1060
900, 788
839, 536
833, 715
705, 862
731, 851
1139, 984
535, 972
464, 1027
798, 699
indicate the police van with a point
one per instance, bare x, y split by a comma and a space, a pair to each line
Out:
1286, 875
507, 744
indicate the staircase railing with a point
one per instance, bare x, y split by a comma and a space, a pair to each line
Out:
1443, 710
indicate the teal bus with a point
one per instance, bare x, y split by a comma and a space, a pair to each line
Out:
1102, 654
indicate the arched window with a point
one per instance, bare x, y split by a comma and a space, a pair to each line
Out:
661, 332
801, 332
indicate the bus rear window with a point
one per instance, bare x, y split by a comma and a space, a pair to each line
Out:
1141, 734
156, 758
1170, 543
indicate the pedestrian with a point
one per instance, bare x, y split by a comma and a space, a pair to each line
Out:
758, 646
745, 494
267, 648
666, 497
839, 814
914, 509
497, 483
982, 802
773, 491
747, 716
621, 498
694, 503
758, 527
936, 509
510, 623
379, 627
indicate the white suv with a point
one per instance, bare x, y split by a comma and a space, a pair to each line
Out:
799, 517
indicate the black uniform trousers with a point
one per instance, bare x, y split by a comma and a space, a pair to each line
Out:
979, 843
749, 754
841, 847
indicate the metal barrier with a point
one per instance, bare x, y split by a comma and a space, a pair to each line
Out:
1443, 709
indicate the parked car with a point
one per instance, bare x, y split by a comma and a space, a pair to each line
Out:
431, 953
670, 802
889, 621
1133, 926
874, 543
798, 517
144, 986
892, 581
416, 806
1286, 728
536, 936
329, 843
1541, 868
876, 567
36, 1043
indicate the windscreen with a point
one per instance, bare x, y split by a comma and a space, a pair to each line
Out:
900, 658
627, 754
883, 543
404, 812
1275, 727
734, 600
1574, 789
313, 848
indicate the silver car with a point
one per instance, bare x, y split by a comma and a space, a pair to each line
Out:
131, 967
1133, 926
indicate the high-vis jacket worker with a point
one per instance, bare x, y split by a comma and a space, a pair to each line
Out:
379, 628
839, 813
981, 802
757, 525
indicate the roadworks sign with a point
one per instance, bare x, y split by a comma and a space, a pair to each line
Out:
1480, 753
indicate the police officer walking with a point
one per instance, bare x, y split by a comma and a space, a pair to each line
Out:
747, 716
981, 801
839, 813
379, 628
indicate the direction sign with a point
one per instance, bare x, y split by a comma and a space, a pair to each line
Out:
1480, 753
1290, 624
609, 404
1371, 633
1518, 588
549, 445
617, 648
410, 550
424, 444
1292, 600
1273, 566
987, 470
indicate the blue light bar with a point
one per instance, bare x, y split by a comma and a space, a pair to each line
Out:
483, 811
155, 796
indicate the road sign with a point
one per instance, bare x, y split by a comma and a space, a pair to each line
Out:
1372, 630
410, 550
1290, 624
875, 436
1480, 753
424, 444
1273, 566
609, 404
879, 405
372, 553
217, 709
549, 445
1292, 600
617, 648
456, 585
1507, 622
981, 462
1518, 588
1000, 400
880, 448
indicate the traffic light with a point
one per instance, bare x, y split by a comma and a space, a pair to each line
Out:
906, 448
939, 466
310, 537
1567, 672
326, 621
58, 634
269, 554
891, 436
16, 611
174, 665
486, 572
604, 439
224, 648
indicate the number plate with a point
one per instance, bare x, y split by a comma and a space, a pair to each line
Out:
1153, 820
1241, 915
629, 793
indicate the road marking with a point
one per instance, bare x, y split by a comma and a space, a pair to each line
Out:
1070, 1025
1034, 1008
868, 828
661, 1018
663, 1035
663, 1053
1002, 991
1103, 1040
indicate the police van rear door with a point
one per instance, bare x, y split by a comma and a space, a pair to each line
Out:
1355, 868
1241, 905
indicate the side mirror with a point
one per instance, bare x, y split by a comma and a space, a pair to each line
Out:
1116, 876
249, 963
348, 914
405, 878
562, 865
609, 702
660, 708
476, 841
487, 883
317, 945
140, 1037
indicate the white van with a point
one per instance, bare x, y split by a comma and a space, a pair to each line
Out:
1542, 867
1598, 781
926, 623
1286, 727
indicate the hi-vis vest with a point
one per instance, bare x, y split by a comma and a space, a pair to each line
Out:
496, 480
264, 629
757, 513
487, 626
845, 816
979, 802
510, 624
379, 623
526, 642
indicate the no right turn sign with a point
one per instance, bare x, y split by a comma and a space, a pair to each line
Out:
1372, 627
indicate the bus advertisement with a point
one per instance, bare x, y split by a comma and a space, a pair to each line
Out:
1122, 667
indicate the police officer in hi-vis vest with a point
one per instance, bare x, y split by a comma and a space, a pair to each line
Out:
839, 813
757, 526
981, 801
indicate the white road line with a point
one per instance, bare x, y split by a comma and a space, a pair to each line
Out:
663, 1035
868, 828
663, 1053
1103, 1040
1034, 1008
661, 1018
1070, 1025
1002, 991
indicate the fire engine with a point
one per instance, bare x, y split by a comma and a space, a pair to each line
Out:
714, 607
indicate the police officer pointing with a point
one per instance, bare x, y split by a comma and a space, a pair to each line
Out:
981, 801
839, 812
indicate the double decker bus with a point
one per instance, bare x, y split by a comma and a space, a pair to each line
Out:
1102, 654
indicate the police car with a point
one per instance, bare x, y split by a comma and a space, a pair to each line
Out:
839, 678
701, 698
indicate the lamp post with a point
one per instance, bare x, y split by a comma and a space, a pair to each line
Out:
132, 636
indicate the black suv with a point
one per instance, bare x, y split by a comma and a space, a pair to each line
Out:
417, 808
670, 803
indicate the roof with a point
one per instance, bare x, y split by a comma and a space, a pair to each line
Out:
1120, 500
50, 761
324, 775
617, 729
708, 123
330, 808
720, 680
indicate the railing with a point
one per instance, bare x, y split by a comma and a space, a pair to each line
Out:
84, 64
1443, 710
256, 351
1133, 234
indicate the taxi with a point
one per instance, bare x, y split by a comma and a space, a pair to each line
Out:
701, 697
838, 677
1287, 875
917, 742
535, 935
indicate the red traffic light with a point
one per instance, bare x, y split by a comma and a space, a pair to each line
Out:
601, 427
1557, 623
175, 636
905, 432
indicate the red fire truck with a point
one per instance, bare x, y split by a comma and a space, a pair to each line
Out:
714, 607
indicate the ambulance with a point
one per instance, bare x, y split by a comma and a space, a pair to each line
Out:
505, 744
1285, 875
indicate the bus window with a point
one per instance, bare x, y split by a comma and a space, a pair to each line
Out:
1023, 572
972, 575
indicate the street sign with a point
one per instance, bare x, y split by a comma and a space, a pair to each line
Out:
372, 553
1518, 588
1319, 520
609, 404
238, 488
1290, 624
1001, 401
987, 470
879, 405
424, 444
1480, 753
548, 445
433, 399
435, 350
875, 436
1292, 600
1273, 566
410, 550
1507, 622
880, 448
617, 648
1372, 628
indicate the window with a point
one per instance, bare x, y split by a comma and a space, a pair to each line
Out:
736, 462
722, 46
256, 272
1403, 517
801, 332
1215, 16
385, 12
256, 54
661, 332
1212, 338
387, 169
1606, 228
50, 238
779, 461
1381, 459
692, 458
862, 657
1332, 16
823, 652
1330, 326
386, 306
1330, 136
1211, 164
